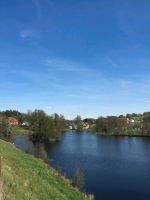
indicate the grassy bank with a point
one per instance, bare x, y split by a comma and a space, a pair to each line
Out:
21, 130
26, 177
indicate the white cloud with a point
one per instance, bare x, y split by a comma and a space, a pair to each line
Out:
49, 107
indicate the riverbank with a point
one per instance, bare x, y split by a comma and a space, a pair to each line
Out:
133, 134
26, 177
17, 130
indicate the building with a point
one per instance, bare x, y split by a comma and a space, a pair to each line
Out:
25, 123
130, 121
70, 127
13, 121
85, 125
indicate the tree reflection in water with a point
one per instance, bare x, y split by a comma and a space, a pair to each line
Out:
38, 150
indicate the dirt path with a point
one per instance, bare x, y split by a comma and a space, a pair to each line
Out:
1, 194
1, 182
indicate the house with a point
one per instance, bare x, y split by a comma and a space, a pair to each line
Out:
25, 123
85, 125
70, 127
13, 121
130, 121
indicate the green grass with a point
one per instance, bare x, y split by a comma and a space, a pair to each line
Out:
25, 176
20, 130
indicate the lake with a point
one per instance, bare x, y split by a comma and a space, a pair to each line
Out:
115, 168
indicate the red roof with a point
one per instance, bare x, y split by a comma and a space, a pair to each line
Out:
13, 121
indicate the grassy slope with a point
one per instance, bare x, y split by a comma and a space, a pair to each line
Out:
29, 176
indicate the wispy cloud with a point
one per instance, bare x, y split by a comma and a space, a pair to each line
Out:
38, 9
65, 65
25, 33
29, 33
110, 61
30, 74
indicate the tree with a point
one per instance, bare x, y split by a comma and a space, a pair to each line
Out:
78, 123
111, 125
35, 118
5, 129
46, 127
60, 124
146, 123
101, 125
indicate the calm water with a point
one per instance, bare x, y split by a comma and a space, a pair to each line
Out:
115, 168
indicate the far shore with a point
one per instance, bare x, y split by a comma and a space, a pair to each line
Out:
20, 130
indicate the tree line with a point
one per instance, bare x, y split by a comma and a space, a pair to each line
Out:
44, 127
47, 127
131, 124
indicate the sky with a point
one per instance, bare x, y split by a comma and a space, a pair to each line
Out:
84, 57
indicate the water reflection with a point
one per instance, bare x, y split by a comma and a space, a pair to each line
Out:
37, 149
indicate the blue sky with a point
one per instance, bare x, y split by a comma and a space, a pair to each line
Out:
75, 56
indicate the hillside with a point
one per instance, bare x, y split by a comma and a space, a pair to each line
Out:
26, 177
